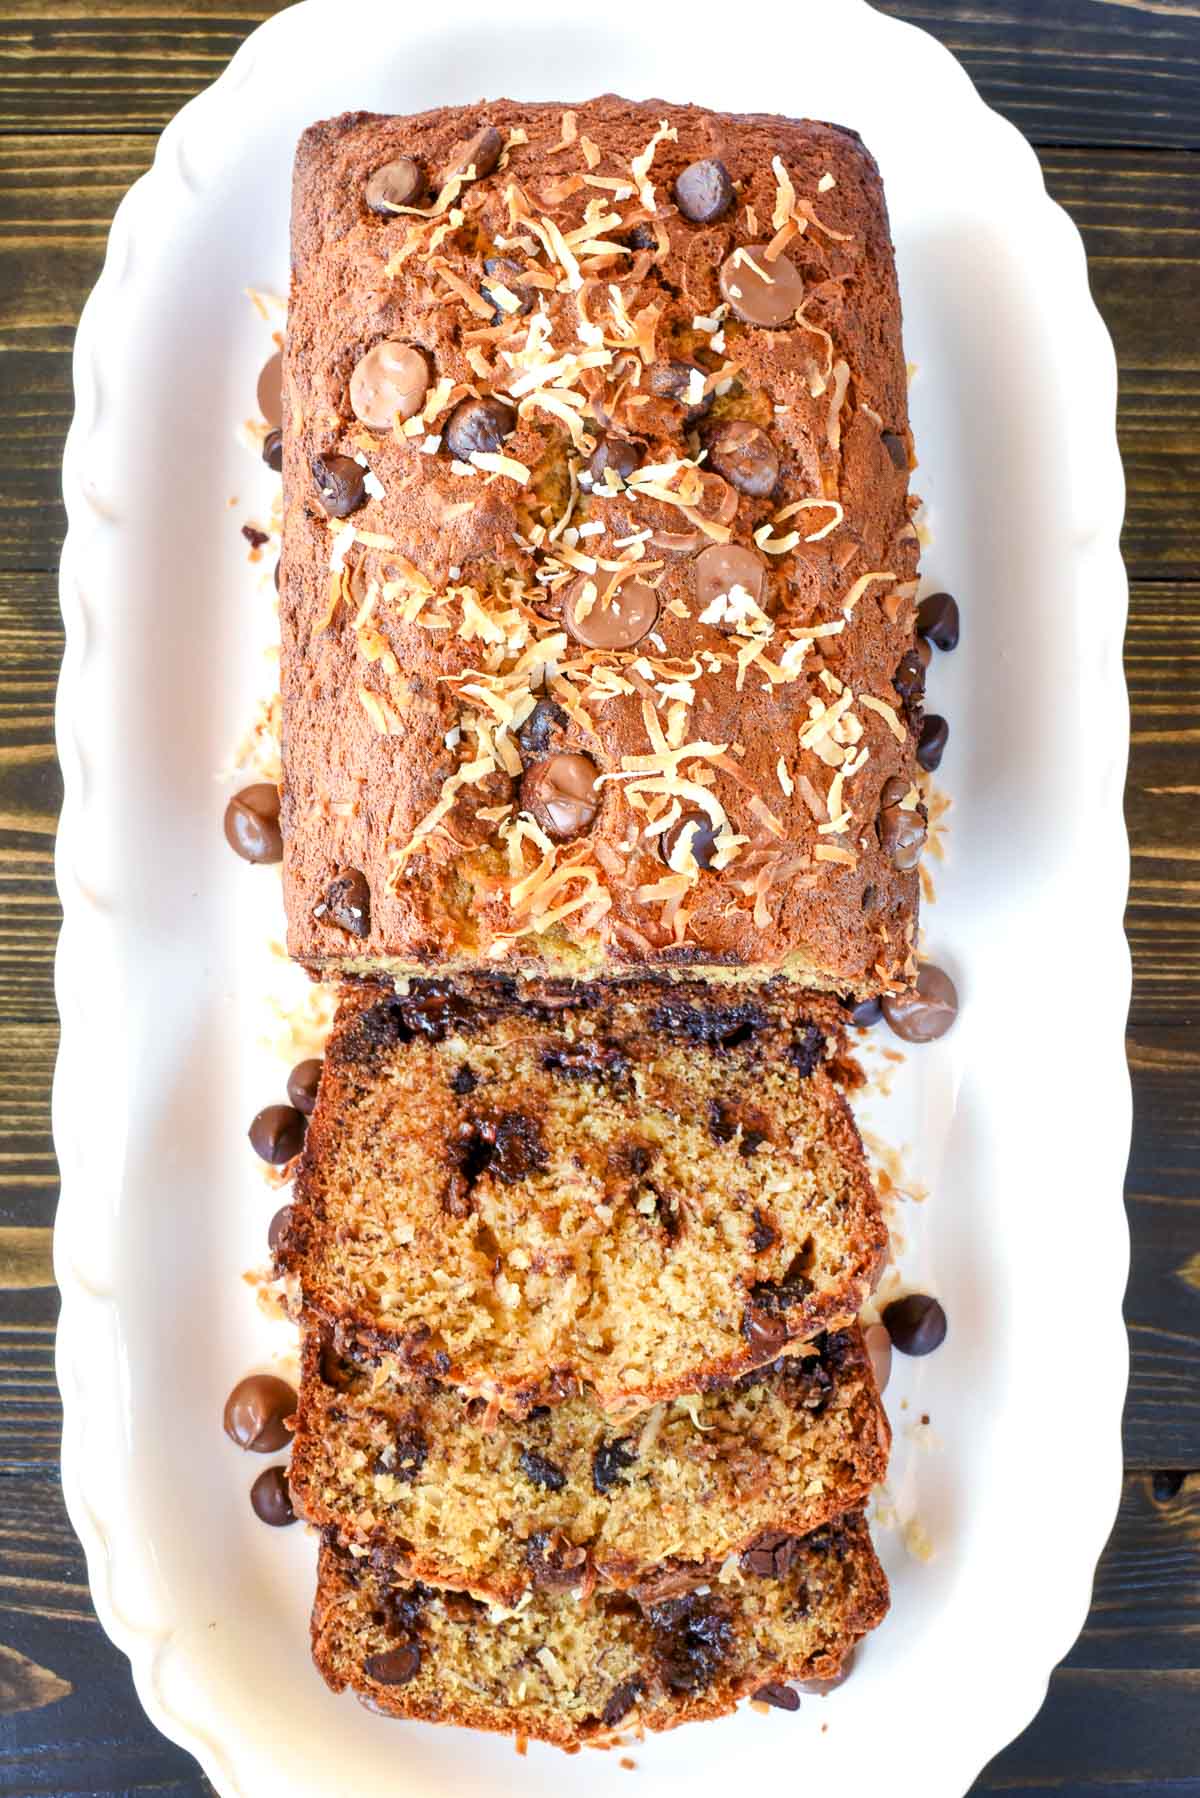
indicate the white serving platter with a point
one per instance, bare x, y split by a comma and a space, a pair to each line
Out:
1017, 1127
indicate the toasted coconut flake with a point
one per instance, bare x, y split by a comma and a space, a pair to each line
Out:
837, 398
457, 285
805, 210
805, 505
861, 584
591, 152
825, 183
833, 852
785, 194
492, 462
887, 713
784, 778
640, 165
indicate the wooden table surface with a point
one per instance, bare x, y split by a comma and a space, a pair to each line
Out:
1109, 91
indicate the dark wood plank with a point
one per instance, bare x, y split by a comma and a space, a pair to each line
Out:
1139, 213
1065, 71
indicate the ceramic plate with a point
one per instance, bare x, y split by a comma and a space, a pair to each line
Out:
1016, 1134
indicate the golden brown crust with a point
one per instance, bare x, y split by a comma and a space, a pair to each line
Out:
563, 1673
654, 1505
379, 717
638, 1192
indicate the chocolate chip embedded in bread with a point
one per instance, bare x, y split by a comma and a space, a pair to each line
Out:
761, 290
347, 903
693, 1637
464, 1080
806, 1049
916, 1325
278, 1228
610, 1463
925, 1011
746, 457
901, 830
270, 1499
766, 1332
897, 449
272, 455
405, 1456
534, 735
601, 618
935, 734
561, 794
396, 1666
255, 1412
909, 682
772, 1555
542, 1472
477, 156
388, 383
718, 571
682, 382
397, 183
555, 1563
864, 1012
938, 619
615, 453
783, 1698
692, 835
252, 824
507, 277
622, 1701
277, 1134
302, 1084
704, 192
878, 1345
340, 484
270, 390
478, 427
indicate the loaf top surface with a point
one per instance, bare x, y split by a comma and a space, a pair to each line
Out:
597, 590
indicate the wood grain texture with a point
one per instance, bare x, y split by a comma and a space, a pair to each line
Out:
1111, 88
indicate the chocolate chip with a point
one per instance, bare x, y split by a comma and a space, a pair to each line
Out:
806, 1049
477, 156
478, 426
673, 381
623, 1699
935, 734
765, 1333
721, 568
640, 237
533, 737
270, 389
277, 577
405, 1455
270, 1499
561, 794
909, 682
764, 1236
464, 821
878, 1345
784, 1698
863, 1012
272, 450
388, 383
396, 1666
554, 1561
542, 1472
464, 1080
302, 1084
924, 651
347, 903
715, 1026
277, 1134
586, 1060
509, 1146
692, 1637
937, 619
760, 290
916, 1324
821, 1688
255, 1411
278, 1227
602, 618
693, 835
252, 824
507, 275
610, 1463
901, 831
704, 192
617, 453
398, 183
772, 1555
925, 1011
897, 449
254, 537
746, 457
340, 484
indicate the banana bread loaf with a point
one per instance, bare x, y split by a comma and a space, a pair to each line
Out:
649, 1506
640, 1192
598, 571
560, 1671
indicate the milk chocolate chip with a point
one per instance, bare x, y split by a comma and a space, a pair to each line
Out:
396, 1666
561, 794
761, 291
389, 382
340, 486
746, 457
252, 824
398, 183
506, 274
901, 831
878, 1344
616, 453
704, 192
255, 1411
347, 903
477, 156
719, 570
693, 832
674, 381
629, 614
478, 427
270, 1499
927, 1010
270, 390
